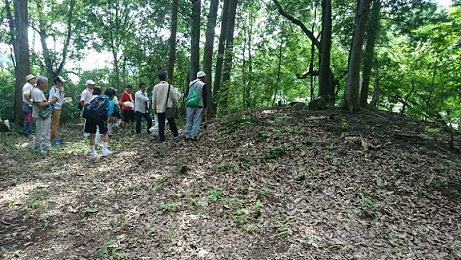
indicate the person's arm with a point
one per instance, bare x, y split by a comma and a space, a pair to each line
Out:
204, 96
174, 96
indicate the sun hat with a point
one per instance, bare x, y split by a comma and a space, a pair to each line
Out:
201, 74
90, 82
29, 77
59, 79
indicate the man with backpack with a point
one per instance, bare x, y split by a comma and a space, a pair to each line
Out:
96, 114
196, 102
85, 98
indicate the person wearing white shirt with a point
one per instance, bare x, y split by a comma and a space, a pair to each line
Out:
27, 104
85, 98
164, 95
141, 108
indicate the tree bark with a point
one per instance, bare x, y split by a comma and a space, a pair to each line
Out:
21, 54
172, 40
195, 40
326, 89
371, 34
208, 52
350, 100
220, 58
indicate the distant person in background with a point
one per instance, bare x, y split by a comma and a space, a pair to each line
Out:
85, 98
115, 118
42, 130
27, 104
58, 91
163, 95
141, 108
127, 101
92, 126
194, 114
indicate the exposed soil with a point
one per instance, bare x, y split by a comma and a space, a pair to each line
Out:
274, 183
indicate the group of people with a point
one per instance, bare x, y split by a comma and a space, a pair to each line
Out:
133, 107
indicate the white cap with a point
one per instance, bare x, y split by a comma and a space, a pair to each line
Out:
90, 82
201, 74
29, 77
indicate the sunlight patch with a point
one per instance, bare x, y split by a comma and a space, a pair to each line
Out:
15, 194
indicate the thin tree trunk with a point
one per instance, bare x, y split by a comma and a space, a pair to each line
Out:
195, 40
220, 59
351, 95
325, 79
376, 92
371, 34
172, 40
208, 52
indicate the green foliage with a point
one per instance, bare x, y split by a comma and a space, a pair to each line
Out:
214, 195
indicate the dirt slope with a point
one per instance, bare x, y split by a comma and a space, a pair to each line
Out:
266, 184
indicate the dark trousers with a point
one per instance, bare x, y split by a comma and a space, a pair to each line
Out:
161, 127
139, 117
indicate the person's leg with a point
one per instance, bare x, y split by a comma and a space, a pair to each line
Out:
138, 122
161, 127
46, 127
38, 135
103, 128
173, 127
55, 118
28, 120
189, 121
149, 120
197, 119
90, 128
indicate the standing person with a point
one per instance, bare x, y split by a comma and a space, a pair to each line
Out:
91, 126
58, 91
85, 98
141, 108
115, 119
163, 95
42, 130
127, 101
27, 104
194, 114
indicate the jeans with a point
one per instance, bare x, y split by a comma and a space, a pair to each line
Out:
28, 120
161, 127
139, 117
193, 120
55, 118
42, 134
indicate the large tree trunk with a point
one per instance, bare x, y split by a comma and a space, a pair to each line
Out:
172, 40
208, 52
21, 53
371, 34
220, 59
195, 40
350, 100
229, 53
326, 89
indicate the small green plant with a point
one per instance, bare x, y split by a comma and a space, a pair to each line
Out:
214, 195
226, 167
344, 124
275, 153
368, 205
110, 249
392, 236
171, 206
432, 133
88, 211
246, 162
284, 226
262, 192
309, 240
250, 227
308, 141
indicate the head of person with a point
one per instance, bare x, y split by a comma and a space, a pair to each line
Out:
129, 88
110, 92
97, 90
142, 86
31, 79
42, 82
90, 84
201, 75
58, 81
162, 76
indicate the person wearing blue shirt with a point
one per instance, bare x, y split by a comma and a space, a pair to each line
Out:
92, 126
56, 91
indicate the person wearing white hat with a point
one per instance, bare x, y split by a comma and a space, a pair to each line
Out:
85, 98
56, 91
27, 104
194, 113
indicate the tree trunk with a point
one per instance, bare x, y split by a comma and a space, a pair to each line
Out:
220, 58
21, 54
195, 40
374, 100
371, 34
326, 89
208, 52
350, 100
172, 40
229, 52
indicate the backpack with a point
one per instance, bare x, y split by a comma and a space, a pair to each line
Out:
97, 109
192, 98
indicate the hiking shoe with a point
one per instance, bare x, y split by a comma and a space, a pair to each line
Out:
94, 155
55, 142
133, 131
105, 152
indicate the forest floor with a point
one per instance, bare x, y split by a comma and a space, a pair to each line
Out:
274, 183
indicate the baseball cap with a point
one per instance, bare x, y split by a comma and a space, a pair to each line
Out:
29, 77
201, 74
59, 79
90, 82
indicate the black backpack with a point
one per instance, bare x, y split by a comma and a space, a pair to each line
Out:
97, 109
